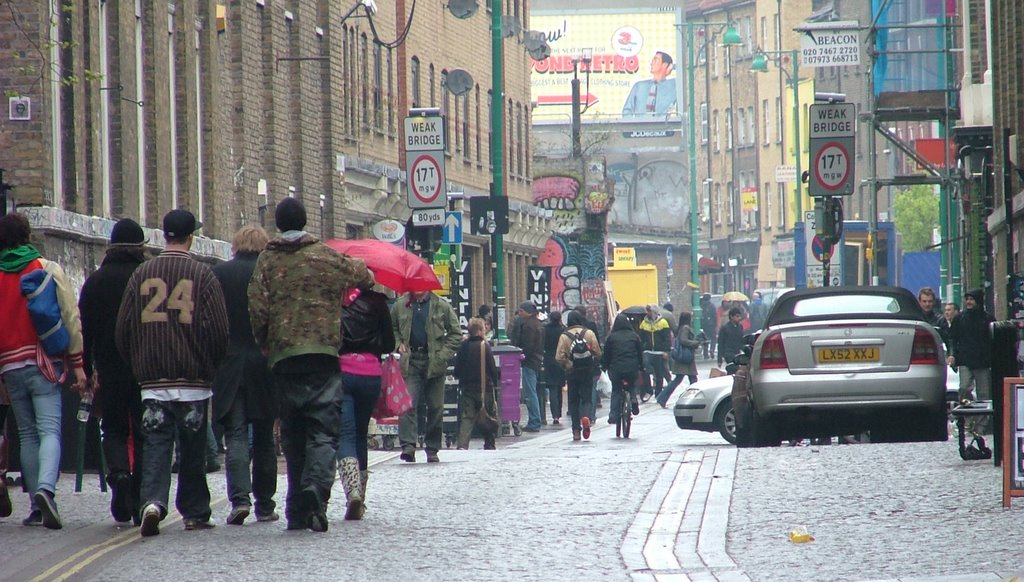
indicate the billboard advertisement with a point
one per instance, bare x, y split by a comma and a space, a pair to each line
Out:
632, 70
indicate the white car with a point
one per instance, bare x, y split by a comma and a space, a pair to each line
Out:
707, 406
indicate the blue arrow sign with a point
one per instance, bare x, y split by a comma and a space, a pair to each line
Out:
452, 228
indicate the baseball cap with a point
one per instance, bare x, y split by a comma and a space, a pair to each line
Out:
180, 223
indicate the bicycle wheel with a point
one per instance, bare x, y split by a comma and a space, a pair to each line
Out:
626, 416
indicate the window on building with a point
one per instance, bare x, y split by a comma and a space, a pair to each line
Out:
714, 59
476, 91
741, 128
716, 130
764, 31
731, 203
704, 123
728, 129
519, 138
465, 128
705, 201
728, 60
751, 126
433, 88
414, 74
778, 120
768, 204
778, 31
446, 110
781, 206
390, 96
718, 204
748, 34
364, 49
378, 84
766, 121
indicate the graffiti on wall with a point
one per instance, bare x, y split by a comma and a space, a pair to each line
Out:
651, 193
573, 263
561, 195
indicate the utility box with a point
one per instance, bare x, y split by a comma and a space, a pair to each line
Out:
634, 285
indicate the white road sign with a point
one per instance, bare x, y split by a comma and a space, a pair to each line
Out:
833, 44
424, 161
815, 269
832, 147
428, 217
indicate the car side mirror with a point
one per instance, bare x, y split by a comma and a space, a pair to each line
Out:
741, 360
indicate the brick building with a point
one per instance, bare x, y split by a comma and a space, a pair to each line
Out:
226, 108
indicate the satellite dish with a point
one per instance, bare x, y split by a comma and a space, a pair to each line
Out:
539, 52
459, 82
532, 39
462, 9
510, 27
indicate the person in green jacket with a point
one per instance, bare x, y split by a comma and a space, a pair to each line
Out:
428, 335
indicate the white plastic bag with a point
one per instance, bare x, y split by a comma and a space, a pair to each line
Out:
604, 385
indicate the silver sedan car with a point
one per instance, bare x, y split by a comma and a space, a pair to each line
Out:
844, 360
707, 406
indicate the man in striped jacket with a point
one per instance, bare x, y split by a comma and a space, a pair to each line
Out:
173, 328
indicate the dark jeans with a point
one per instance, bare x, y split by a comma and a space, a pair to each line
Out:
656, 365
262, 482
159, 422
620, 384
667, 392
121, 403
581, 386
361, 394
310, 433
554, 399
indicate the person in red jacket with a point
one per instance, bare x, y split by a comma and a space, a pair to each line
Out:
30, 374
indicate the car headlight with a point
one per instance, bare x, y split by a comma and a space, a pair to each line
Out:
693, 394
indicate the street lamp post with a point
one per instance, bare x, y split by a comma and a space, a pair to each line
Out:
760, 65
730, 38
497, 157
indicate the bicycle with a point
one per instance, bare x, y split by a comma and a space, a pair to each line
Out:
625, 409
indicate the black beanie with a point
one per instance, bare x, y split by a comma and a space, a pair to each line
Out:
290, 215
127, 232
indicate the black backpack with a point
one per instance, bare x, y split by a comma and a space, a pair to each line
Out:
579, 352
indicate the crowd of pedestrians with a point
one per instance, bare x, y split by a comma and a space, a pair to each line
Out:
287, 331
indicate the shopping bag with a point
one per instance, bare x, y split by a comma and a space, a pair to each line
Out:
604, 385
394, 395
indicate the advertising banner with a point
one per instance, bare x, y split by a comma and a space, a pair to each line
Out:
632, 71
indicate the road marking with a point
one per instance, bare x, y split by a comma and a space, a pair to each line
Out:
679, 533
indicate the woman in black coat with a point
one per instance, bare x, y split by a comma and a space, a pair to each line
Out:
470, 375
554, 375
623, 360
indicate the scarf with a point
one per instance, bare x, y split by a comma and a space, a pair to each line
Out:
15, 259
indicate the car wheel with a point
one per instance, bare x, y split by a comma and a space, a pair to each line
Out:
725, 421
931, 426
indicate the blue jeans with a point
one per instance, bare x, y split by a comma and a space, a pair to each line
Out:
361, 394
159, 421
37, 409
262, 481
530, 394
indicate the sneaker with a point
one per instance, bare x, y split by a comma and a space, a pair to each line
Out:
317, 519
576, 434
531, 429
408, 456
197, 524
35, 517
266, 517
634, 407
295, 525
150, 521
586, 427
120, 496
238, 514
48, 508
432, 457
612, 420
556, 421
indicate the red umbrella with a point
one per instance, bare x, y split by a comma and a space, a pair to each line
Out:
392, 266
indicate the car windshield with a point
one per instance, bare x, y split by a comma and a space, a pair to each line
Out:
862, 304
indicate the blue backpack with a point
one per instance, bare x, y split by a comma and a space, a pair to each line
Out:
681, 353
40, 289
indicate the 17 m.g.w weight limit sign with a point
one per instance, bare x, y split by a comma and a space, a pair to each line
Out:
832, 166
426, 179
833, 145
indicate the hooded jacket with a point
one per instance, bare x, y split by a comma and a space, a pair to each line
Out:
98, 303
296, 295
623, 354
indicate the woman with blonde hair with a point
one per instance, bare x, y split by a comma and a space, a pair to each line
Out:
473, 352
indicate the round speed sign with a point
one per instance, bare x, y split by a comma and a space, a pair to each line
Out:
426, 178
832, 166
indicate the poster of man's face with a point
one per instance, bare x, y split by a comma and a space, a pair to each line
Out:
655, 96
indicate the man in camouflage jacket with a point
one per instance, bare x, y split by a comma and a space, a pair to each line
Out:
428, 335
295, 300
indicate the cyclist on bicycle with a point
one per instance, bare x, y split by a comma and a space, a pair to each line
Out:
623, 360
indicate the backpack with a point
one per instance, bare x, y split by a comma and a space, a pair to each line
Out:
579, 351
681, 354
40, 290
